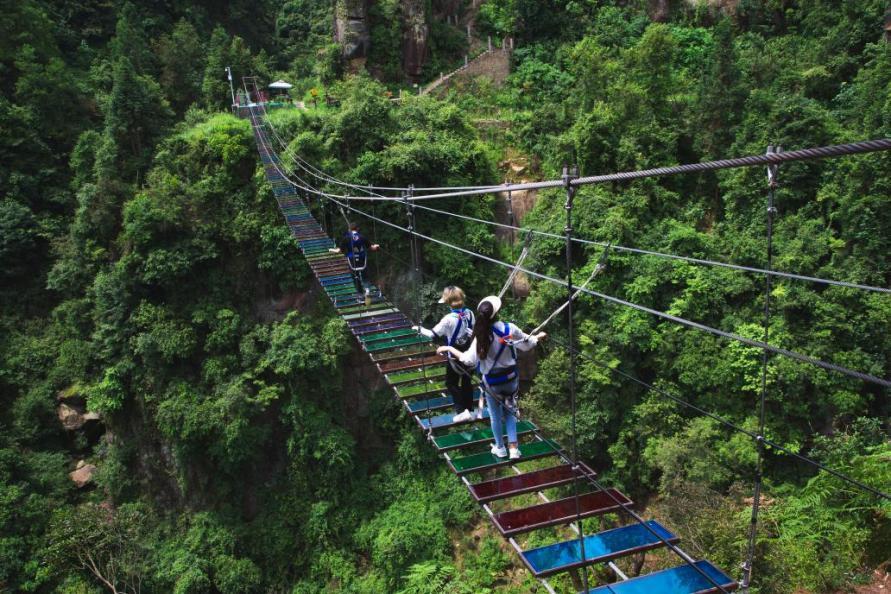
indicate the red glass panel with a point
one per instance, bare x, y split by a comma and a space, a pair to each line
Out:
561, 511
411, 363
527, 482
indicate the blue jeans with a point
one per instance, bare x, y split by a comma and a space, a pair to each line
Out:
500, 417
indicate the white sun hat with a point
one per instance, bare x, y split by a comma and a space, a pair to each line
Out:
494, 300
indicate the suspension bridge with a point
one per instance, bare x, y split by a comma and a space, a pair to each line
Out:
410, 365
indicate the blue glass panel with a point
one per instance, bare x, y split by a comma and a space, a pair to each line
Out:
446, 420
603, 545
677, 580
432, 403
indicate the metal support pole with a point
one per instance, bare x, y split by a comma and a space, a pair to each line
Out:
768, 288
416, 267
510, 212
231, 86
571, 190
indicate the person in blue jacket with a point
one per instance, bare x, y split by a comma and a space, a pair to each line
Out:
356, 248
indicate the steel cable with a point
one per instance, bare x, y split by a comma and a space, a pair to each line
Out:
660, 314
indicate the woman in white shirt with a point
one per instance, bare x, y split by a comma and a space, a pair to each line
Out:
456, 328
494, 351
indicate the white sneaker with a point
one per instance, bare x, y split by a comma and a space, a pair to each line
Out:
514, 453
499, 452
463, 417
479, 413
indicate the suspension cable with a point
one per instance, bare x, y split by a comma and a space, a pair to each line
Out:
823, 152
660, 314
691, 260
839, 150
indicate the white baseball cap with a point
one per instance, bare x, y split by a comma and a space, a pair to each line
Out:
494, 300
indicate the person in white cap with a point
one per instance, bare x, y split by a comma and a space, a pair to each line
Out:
456, 328
494, 350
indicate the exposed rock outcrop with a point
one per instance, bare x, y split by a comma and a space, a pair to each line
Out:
83, 474
73, 418
659, 10
415, 36
351, 30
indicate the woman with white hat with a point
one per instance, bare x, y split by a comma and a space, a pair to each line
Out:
456, 328
494, 349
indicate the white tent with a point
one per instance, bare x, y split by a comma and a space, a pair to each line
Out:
280, 85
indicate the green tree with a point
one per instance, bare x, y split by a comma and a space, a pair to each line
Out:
180, 54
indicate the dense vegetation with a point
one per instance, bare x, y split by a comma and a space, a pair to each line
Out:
145, 275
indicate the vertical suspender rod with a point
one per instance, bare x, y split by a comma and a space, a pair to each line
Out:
568, 176
768, 288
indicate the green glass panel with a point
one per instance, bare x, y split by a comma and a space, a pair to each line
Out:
363, 307
432, 372
476, 462
366, 338
370, 314
396, 342
339, 290
409, 351
418, 389
465, 438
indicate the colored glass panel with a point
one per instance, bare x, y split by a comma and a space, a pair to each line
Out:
388, 334
486, 460
396, 342
329, 266
350, 306
338, 283
333, 278
561, 511
338, 291
379, 327
357, 308
419, 406
369, 314
416, 374
599, 548
443, 421
527, 482
378, 320
411, 360
683, 579
420, 389
467, 438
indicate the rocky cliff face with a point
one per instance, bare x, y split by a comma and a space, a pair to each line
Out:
659, 10
352, 33
415, 36
351, 28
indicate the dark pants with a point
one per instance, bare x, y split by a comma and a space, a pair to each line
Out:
358, 265
460, 386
